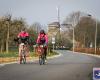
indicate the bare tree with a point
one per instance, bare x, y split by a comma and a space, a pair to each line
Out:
84, 28
9, 29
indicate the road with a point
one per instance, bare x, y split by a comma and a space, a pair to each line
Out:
69, 66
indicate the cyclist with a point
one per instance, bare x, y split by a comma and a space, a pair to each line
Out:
23, 37
43, 39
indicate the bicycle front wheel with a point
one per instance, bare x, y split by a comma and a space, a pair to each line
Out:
41, 60
24, 59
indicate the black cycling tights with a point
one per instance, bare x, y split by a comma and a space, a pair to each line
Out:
45, 52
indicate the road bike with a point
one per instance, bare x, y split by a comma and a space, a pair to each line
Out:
40, 51
23, 53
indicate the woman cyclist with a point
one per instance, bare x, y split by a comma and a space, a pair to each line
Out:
43, 40
23, 38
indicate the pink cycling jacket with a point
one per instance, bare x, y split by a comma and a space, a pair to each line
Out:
42, 35
23, 34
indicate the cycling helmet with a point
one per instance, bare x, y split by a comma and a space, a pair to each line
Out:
42, 32
23, 29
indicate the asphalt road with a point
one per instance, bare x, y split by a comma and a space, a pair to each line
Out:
69, 66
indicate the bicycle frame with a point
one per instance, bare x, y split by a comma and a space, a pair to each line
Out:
40, 51
22, 54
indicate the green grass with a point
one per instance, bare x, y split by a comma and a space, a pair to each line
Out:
11, 54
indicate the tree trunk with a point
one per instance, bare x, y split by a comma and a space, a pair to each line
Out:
7, 40
2, 46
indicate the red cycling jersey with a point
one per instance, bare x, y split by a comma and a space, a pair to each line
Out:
40, 36
23, 34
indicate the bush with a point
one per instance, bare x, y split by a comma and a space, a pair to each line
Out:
88, 50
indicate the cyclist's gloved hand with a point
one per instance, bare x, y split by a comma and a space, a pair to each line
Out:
45, 44
37, 44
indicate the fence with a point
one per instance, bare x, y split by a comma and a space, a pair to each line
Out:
88, 50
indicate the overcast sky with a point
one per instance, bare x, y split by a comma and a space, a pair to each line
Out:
45, 12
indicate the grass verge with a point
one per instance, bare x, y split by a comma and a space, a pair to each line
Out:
13, 56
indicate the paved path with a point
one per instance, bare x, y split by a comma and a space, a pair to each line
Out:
69, 66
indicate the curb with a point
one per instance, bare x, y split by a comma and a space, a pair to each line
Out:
7, 63
55, 56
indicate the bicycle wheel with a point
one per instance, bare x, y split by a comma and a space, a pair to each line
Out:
21, 59
40, 52
42, 59
24, 59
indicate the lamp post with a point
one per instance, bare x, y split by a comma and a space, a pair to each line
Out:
8, 18
95, 33
58, 18
73, 40
96, 37
73, 25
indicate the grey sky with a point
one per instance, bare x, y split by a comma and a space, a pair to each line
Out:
44, 11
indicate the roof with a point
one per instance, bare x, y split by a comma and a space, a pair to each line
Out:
54, 24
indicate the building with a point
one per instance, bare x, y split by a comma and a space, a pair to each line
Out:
53, 30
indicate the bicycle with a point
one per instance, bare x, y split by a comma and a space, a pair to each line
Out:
23, 53
40, 51
23, 46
